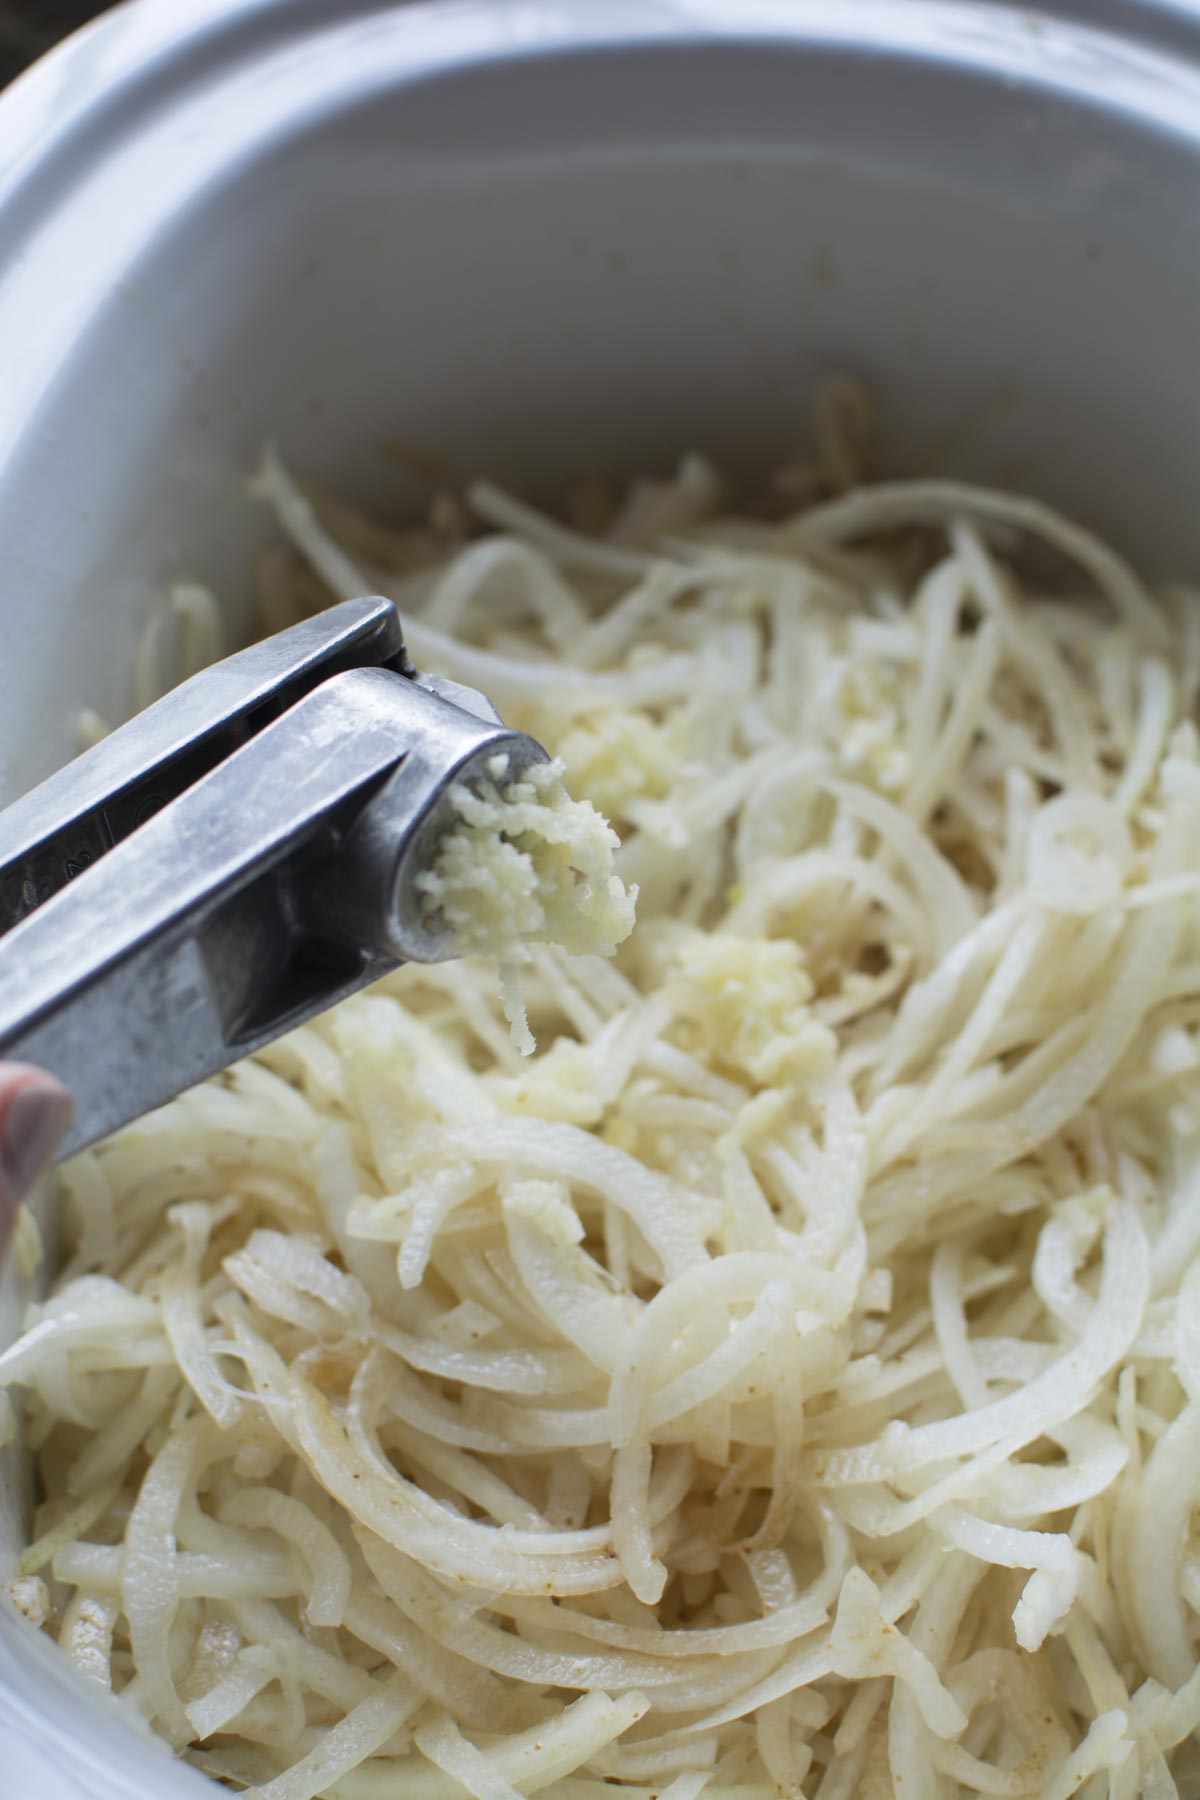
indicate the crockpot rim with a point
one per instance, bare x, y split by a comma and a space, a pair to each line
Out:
58, 109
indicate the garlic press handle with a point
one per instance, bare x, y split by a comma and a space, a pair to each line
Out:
66, 824
277, 883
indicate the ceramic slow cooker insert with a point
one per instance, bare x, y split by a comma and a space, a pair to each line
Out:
544, 238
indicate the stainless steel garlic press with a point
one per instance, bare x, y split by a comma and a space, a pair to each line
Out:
238, 857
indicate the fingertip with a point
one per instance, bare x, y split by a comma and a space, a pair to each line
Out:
35, 1111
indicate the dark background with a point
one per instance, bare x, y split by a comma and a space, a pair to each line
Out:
27, 27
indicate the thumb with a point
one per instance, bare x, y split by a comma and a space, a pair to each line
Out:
35, 1110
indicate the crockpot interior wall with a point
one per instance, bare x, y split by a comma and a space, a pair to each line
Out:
544, 267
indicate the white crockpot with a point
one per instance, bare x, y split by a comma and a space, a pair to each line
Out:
542, 238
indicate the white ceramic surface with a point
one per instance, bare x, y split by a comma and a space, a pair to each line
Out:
544, 237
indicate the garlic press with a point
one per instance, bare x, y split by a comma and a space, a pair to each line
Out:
237, 858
